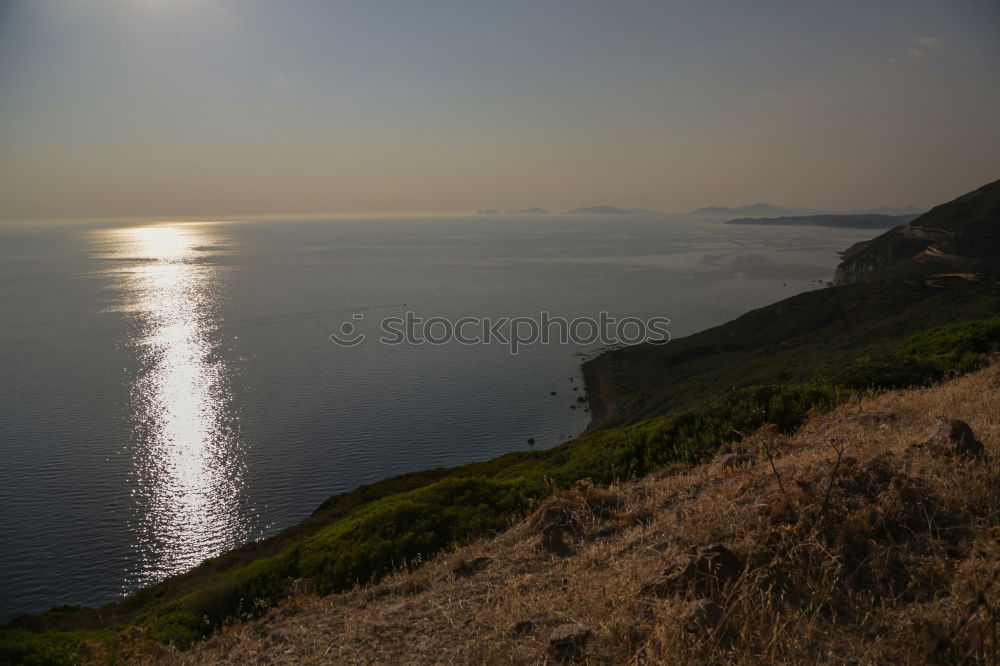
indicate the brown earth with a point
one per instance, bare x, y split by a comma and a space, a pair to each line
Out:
852, 541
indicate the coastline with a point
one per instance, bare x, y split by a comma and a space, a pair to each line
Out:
736, 377
597, 391
359, 537
339, 505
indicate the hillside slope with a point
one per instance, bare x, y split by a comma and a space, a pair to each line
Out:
858, 545
963, 234
654, 406
810, 337
939, 269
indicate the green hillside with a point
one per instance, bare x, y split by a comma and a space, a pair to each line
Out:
658, 405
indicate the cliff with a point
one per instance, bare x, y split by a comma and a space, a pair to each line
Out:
961, 235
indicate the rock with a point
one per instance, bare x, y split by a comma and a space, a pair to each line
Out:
569, 636
701, 615
954, 437
704, 569
531, 441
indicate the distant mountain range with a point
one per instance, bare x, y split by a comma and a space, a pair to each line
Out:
859, 221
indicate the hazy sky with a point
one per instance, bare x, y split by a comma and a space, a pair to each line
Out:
229, 107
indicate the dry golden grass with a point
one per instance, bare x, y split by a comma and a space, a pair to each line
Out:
881, 557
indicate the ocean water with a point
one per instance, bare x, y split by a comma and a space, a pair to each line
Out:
170, 390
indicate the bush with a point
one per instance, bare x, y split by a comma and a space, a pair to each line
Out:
926, 357
358, 537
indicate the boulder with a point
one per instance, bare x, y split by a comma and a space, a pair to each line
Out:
954, 437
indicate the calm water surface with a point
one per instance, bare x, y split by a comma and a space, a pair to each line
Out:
170, 391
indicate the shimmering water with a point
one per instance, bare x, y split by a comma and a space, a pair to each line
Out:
169, 390
188, 464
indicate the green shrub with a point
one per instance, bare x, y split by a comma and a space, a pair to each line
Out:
358, 537
19, 646
926, 357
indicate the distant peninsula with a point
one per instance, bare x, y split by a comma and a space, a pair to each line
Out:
860, 221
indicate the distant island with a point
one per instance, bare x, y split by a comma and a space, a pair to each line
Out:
858, 221
611, 210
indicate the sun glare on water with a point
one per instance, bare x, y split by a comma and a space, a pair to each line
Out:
188, 472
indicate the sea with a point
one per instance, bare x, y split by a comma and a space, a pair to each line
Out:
170, 389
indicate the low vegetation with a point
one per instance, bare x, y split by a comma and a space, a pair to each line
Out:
357, 538
847, 541
810, 337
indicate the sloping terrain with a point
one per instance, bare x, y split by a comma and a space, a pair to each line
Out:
810, 337
940, 269
655, 408
963, 234
851, 541
358, 537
